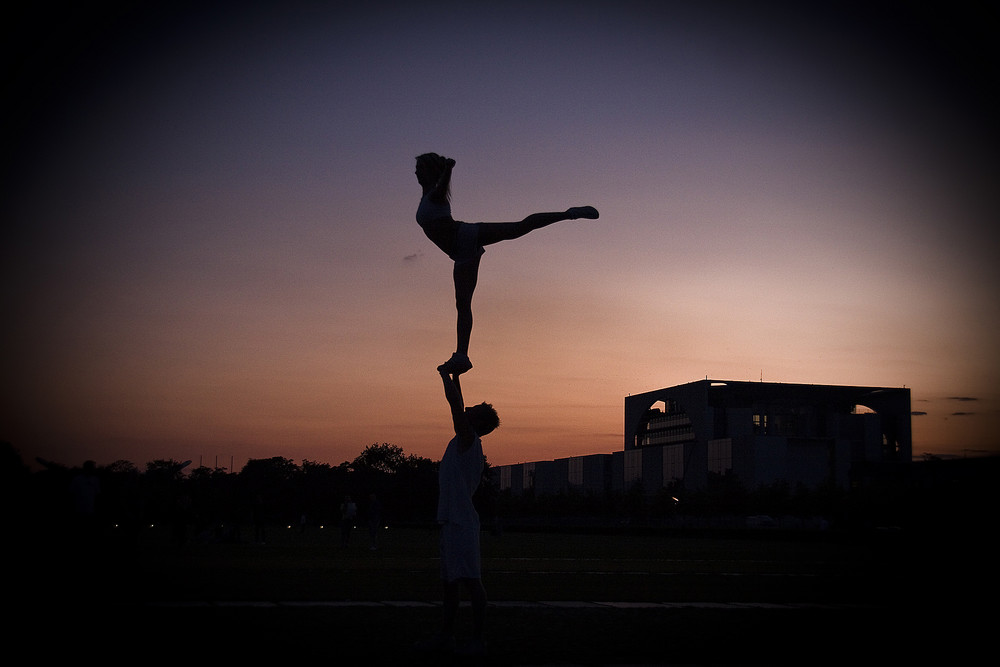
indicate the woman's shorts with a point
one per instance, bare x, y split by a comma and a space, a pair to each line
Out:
467, 248
460, 552
459, 240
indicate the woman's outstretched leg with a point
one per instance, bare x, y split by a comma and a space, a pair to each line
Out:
494, 232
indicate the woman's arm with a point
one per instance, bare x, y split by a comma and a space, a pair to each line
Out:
440, 191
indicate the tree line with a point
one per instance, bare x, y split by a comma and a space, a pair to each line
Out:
214, 501
224, 505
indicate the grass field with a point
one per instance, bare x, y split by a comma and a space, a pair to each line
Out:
523, 566
753, 597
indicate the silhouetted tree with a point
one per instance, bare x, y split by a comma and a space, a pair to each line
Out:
15, 479
121, 467
414, 493
266, 487
384, 458
320, 487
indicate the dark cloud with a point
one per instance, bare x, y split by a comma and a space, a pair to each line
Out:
962, 398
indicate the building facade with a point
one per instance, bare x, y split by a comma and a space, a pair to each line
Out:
759, 433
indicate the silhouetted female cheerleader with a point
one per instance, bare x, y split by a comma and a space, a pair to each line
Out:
465, 242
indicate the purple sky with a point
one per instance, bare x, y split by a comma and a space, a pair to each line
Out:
212, 250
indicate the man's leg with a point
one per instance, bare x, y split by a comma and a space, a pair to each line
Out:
477, 595
452, 598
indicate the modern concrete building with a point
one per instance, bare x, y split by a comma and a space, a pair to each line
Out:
760, 433
765, 432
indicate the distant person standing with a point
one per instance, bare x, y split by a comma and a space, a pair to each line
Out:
348, 514
464, 242
85, 487
459, 475
257, 510
374, 520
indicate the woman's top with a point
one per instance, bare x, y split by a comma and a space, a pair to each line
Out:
429, 210
458, 240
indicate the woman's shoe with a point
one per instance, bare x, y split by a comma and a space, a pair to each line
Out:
458, 364
588, 212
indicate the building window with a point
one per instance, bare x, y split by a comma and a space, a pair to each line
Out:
528, 481
720, 455
576, 471
633, 467
504, 478
666, 429
673, 464
760, 424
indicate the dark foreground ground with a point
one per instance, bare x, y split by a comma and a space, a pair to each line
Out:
596, 599
385, 635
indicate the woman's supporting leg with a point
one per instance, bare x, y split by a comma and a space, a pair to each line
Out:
466, 276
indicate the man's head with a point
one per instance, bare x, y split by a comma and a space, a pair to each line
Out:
483, 418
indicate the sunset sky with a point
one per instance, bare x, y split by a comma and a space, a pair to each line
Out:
210, 251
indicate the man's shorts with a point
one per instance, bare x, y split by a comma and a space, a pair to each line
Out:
460, 552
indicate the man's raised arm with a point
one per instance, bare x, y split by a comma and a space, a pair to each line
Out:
453, 392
